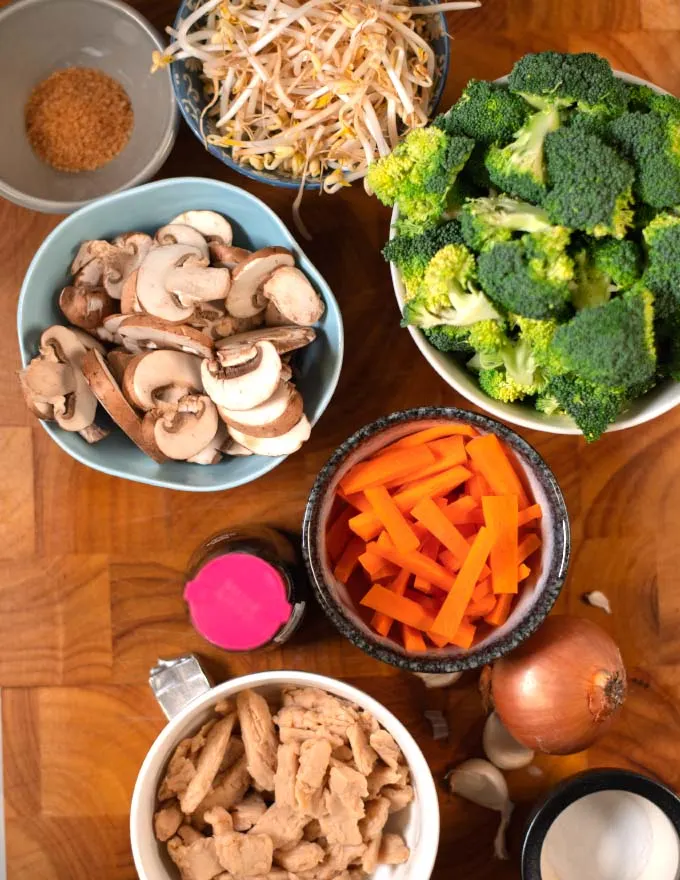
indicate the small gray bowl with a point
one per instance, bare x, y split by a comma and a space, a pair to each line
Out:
538, 594
38, 37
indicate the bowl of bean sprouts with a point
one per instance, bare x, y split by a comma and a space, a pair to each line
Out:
307, 94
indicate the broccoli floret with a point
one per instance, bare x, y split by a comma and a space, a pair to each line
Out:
603, 267
537, 334
612, 344
662, 275
488, 220
519, 167
419, 174
549, 405
652, 143
448, 338
565, 80
592, 406
642, 99
412, 253
590, 123
590, 184
498, 384
481, 337
638, 97
486, 112
517, 277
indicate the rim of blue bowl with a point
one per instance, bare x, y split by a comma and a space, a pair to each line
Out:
224, 155
166, 143
272, 462
578, 786
557, 565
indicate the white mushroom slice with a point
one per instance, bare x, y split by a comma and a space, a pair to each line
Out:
284, 339
89, 251
273, 317
76, 410
286, 373
146, 333
242, 379
231, 447
90, 275
108, 332
136, 243
86, 339
210, 224
110, 396
185, 430
294, 297
94, 433
86, 307
272, 418
196, 282
286, 444
147, 374
244, 299
152, 291
48, 377
227, 256
180, 233
129, 304
117, 261
212, 454
41, 409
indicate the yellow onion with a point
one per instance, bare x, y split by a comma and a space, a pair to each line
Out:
561, 688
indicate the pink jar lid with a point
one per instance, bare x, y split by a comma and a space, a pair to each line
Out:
238, 601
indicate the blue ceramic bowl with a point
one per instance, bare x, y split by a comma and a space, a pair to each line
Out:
191, 100
147, 208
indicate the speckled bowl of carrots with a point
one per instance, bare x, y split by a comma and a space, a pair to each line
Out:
436, 539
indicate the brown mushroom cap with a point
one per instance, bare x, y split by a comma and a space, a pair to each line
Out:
293, 296
226, 255
129, 304
284, 339
184, 430
86, 307
149, 373
244, 299
144, 332
117, 360
244, 378
276, 416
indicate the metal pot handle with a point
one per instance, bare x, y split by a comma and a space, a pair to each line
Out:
176, 683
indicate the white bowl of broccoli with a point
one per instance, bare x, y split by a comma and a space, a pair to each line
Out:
539, 274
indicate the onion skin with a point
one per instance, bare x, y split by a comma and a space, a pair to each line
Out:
561, 689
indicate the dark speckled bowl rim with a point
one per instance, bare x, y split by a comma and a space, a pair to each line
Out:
589, 781
557, 569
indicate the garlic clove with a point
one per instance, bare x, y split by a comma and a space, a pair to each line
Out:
597, 599
501, 748
483, 784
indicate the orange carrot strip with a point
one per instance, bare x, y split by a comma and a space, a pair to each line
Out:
430, 549
349, 560
493, 463
338, 534
477, 487
482, 589
441, 464
450, 563
439, 641
449, 446
528, 514
416, 563
359, 501
434, 520
435, 433
481, 607
458, 512
523, 572
384, 467
382, 623
367, 525
500, 516
400, 608
502, 610
401, 533
376, 567
452, 611
528, 546
412, 638
465, 634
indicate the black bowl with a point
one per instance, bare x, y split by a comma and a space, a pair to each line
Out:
540, 591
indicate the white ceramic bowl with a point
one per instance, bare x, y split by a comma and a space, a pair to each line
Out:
658, 401
418, 823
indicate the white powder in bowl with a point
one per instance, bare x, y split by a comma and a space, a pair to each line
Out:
611, 835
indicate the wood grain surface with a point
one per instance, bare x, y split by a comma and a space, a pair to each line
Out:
91, 567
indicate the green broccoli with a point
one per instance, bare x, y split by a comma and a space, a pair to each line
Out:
590, 185
486, 112
603, 267
519, 167
642, 99
546, 403
526, 278
592, 406
553, 79
498, 384
485, 221
411, 253
483, 336
419, 174
662, 275
652, 143
611, 344
448, 338
538, 334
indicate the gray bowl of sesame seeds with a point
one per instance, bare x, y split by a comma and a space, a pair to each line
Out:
83, 117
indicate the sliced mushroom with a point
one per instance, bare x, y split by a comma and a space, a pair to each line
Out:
145, 333
285, 444
108, 392
117, 262
284, 339
136, 243
272, 418
89, 251
41, 409
152, 291
197, 282
243, 299
231, 447
211, 225
286, 372
86, 307
48, 376
293, 296
147, 375
184, 430
212, 454
129, 304
226, 255
117, 360
94, 433
273, 317
242, 379
90, 275
108, 332
211, 318
180, 233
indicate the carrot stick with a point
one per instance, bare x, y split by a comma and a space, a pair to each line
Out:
359, 501
528, 546
417, 564
400, 608
338, 534
481, 607
349, 560
502, 610
434, 433
528, 514
439, 641
477, 486
458, 512
482, 589
384, 467
449, 446
493, 463
367, 525
441, 464
413, 640
500, 516
450, 563
393, 520
382, 623
523, 572
452, 611
435, 521
376, 567
430, 549
465, 634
